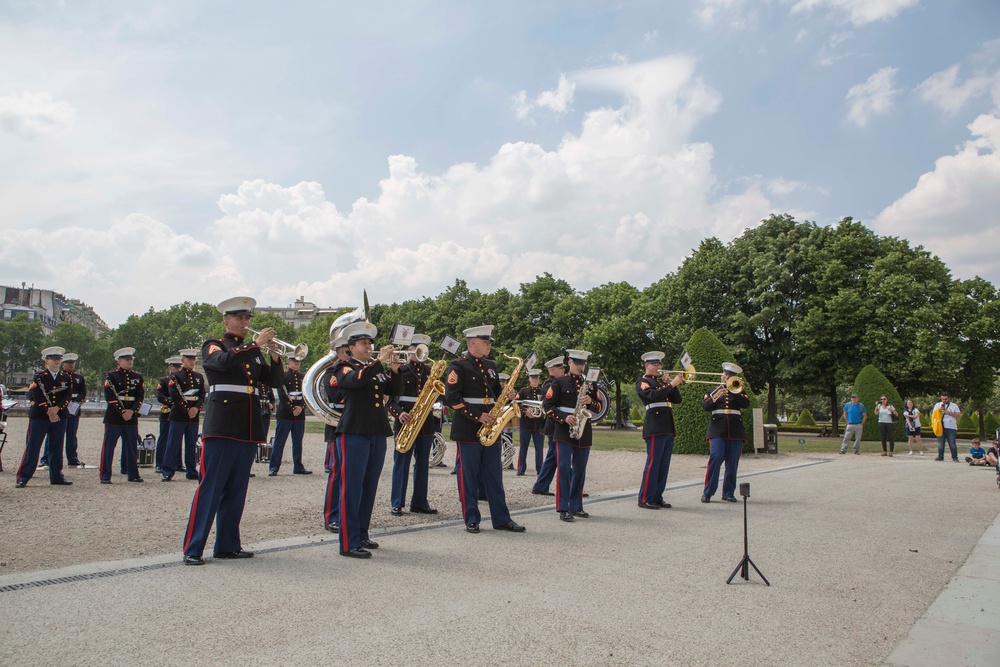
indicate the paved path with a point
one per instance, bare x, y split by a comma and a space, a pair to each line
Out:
857, 550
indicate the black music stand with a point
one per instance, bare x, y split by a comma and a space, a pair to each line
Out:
743, 568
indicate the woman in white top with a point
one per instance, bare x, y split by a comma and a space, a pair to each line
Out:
911, 417
886, 427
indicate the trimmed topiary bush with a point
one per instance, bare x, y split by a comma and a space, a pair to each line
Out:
925, 419
635, 415
991, 423
869, 385
805, 419
966, 423
707, 354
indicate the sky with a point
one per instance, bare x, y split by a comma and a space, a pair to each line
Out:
154, 153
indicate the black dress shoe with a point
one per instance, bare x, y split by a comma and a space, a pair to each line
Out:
302, 472
649, 506
360, 552
273, 473
586, 495
729, 499
520, 474
105, 481
252, 475
423, 510
77, 464
193, 477
472, 528
369, 544
542, 493
566, 516
61, 482
20, 485
224, 555
326, 471
166, 478
706, 498
333, 527
396, 511
511, 526
136, 479
582, 514
664, 505
194, 560
158, 469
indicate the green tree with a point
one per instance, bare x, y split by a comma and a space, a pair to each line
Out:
975, 306
156, 335
869, 385
93, 352
21, 343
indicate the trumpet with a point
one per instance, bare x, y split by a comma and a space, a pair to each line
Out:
422, 353
300, 351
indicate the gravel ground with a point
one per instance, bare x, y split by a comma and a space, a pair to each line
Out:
51, 526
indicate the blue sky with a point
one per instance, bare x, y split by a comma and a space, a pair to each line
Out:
157, 153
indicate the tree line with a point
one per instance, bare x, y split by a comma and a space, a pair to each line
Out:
803, 307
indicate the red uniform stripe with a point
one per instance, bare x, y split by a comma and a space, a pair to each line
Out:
649, 469
24, 458
194, 503
344, 540
104, 444
461, 480
556, 443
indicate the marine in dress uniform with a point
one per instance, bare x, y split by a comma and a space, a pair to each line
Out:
124, 391
471, 387
413, 376
232, 429
571, 455
658, 428
362, 432
556, 368
530, 428
187, 393
335, 399
48, 397
77, 397
725, 435
166, 404
291, 420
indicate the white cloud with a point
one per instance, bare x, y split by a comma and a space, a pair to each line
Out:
736, 14
858, 12
954, 210
830, 52
874, 97
31, 114
557, 100
944, 91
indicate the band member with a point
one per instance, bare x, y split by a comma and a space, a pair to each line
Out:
658, 429
187, 392
77, 397
232, 430
413, 376
335, 398
531, 427
556, 369
571, 454
725, 435
291, 420
124, 391
471, 387
48, 396
362, 433
166, 404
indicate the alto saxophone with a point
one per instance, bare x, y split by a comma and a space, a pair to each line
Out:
581, 412
432, 388
503, 410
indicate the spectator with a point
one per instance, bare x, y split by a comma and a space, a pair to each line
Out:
886, 425
949, 426
855, 416
977, 455
993, 454
911, 419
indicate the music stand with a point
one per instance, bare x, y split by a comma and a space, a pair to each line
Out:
743, 568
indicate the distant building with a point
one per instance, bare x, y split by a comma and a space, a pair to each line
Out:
300, 313
48, 307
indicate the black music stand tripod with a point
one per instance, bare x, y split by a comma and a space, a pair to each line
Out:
743, 568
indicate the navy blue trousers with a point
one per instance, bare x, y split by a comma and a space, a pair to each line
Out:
721, 449
72, 443
129, 435
331, 501
189, 433
659, 449
281, 431
220, 496
547, 471
161, 445
361, 461
571, 466
420, 454
53, 435
480, 467
527, 437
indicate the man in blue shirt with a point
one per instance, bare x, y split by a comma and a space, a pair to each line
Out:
855, 417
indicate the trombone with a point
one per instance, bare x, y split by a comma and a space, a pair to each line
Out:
734, 384
300, 351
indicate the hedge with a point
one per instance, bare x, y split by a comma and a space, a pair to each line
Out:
965, 422
805, 419
869, 385
992, 424
707, 354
